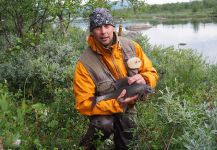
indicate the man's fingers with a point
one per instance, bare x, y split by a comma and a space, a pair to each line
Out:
136, 78
130, 100
141, 81
122, 94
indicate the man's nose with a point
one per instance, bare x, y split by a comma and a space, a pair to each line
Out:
103, 29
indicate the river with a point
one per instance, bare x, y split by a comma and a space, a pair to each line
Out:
199, 36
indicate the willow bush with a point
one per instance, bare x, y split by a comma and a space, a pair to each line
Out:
39, 73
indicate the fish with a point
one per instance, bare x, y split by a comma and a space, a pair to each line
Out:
121, 84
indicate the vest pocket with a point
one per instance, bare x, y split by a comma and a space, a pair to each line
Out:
105, 87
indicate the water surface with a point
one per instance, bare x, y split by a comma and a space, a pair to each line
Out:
203, 40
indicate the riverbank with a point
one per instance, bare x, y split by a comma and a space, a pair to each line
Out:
166, 15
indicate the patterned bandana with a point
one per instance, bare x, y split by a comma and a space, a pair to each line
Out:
99, 17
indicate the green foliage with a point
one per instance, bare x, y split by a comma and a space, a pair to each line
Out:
12, 117
209, 3
137, 5
170, 122
22, 17
38, 78
65, 11
28, 67
214, 11
182, 114
184, 10
37, 104
90, 5
186, 74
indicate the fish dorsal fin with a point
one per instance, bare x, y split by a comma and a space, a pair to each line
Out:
121, 83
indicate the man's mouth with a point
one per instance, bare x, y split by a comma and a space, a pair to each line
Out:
104, 38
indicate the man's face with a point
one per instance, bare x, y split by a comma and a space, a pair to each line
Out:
104, 34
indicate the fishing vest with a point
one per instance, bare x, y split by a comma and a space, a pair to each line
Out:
99, 72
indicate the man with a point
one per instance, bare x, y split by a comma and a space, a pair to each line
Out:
99, 67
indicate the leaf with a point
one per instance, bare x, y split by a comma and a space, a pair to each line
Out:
20, 116
17, 47
24, 106
32, 44
4, 105
53, 124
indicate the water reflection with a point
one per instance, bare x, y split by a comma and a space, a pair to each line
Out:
195, 26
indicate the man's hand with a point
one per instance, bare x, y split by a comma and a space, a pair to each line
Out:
131, 100
128, 100
136, 78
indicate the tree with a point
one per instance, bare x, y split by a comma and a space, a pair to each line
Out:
22, 16
136, 4
64, 11
90, 5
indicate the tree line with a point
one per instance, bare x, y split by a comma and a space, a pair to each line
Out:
175, 7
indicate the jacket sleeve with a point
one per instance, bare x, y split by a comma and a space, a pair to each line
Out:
146, 70
84, 90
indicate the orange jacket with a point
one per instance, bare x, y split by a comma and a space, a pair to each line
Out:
84, 87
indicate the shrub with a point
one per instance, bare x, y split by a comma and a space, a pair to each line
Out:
39, 77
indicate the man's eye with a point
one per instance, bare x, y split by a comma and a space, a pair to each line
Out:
97, 28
